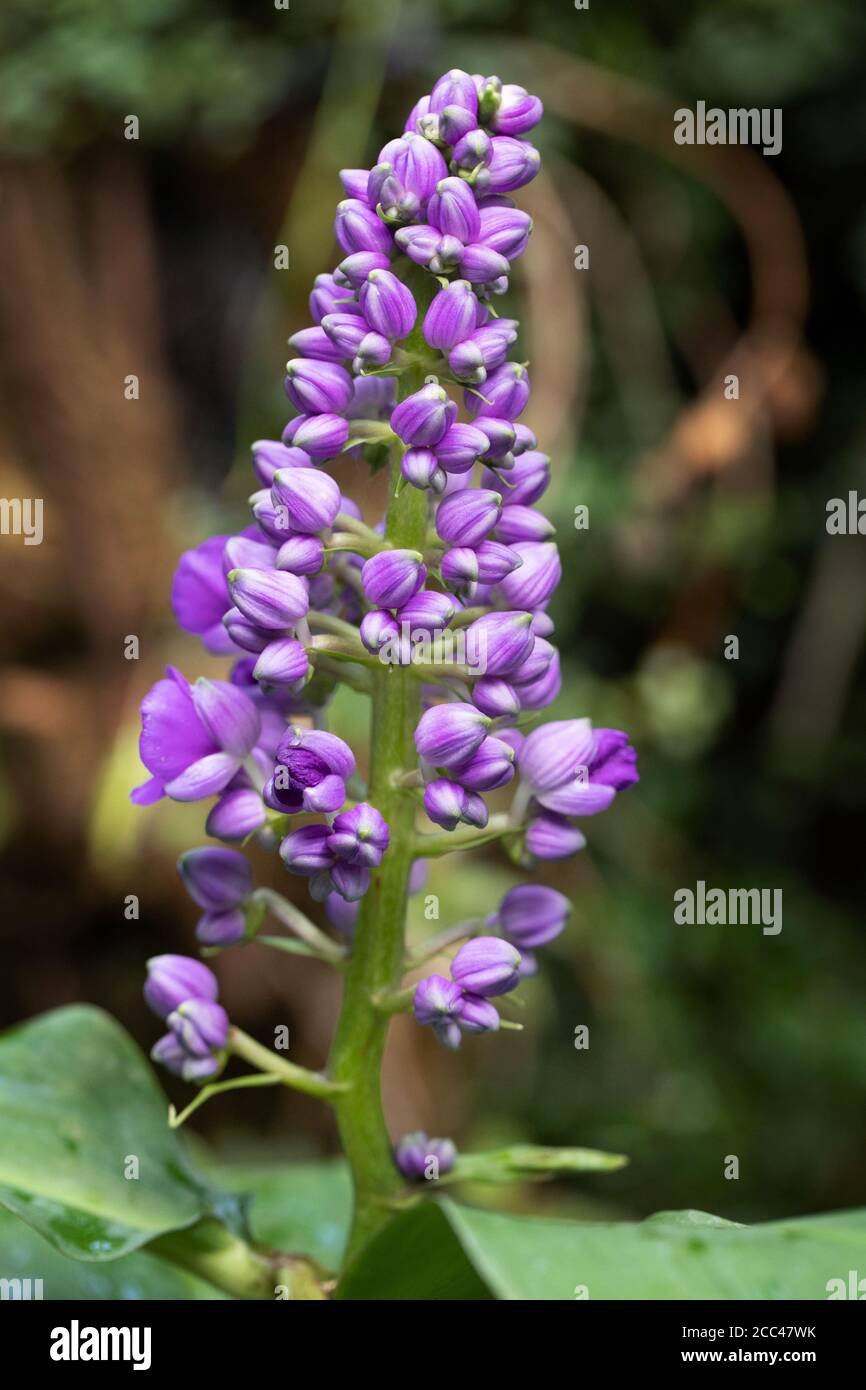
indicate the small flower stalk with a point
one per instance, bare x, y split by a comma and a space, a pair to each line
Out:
406, 348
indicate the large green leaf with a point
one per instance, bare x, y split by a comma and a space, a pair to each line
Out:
302, 1208
79, 1108
440, 1250
25, 1255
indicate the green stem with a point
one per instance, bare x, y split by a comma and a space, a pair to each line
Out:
376, 964
312, 1083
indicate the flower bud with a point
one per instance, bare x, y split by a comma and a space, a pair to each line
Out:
528, 479
453, 123
491, 766
417, 1156
473, 149
494, 696
427, 611
453, 210
317, 388
444, 802
424, 417
221, 928
269, 598
503, 640
452, 316
550, 836
517, 112
216, 879
388, 305
460, 447
482, 266
495, 561
416, 163
283, 662
455, 88
171, 1054
357, 228
374, 351
506, 393
306, 851
500, 437
504, 230
513, 163
530, 915
468, 516
269, 455
329, 297
392, 577
459, 567
354, 183
449, 734
236, 815
200, 1025
173, 979
532, 584
518, 524
360, 836
315, 343
301, 555
486, 965
476, 1015
354, 269
436, 999
311, 499
419, 467
378, 628
245, 634
346, 332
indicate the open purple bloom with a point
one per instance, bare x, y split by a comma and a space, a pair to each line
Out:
199, 595
310, 772
359, 836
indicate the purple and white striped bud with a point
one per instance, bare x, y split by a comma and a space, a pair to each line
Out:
360, 836
392, 577
485, 349
448, 254
491, 766
483, 266
427, 611
315, 343
552, 837
506, 393
329, 297
388, 305
472, 150
449, 734
486, 965
489, 96
453, 210
216, 879
505, 230
379, 628
346, 332
531, 915
504, 640
269, 598
453, 123
445, 802
311, 500
245, 634
420, 243
306, 851
354, 183
283, 662
394, 203
236, 815
517, 112
477, 1015
419, 467
374, 351
320, 436
466, 517
452, 316
317, 388
173, 979
269, 455
459, 567
354, 269
424, 417
200, 1026
494, 696
170, 1053
513, 163
418, 1157
455, 88
517, 524
500, 438
460, 447
528, 479
532, 584
524, 438
436, 999
416, 163
494, 561
301, 555
357, 228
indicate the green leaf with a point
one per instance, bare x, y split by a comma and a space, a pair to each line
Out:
529, 1161
78, 1101
26, 1255
439, 1250
304, 1208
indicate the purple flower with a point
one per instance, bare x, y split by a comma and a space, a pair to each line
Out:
420, 467
550, 836
315, 343
512, 164
477, 1015
452, 316
310, 772
301, 555
353, 271
504, 230
328, 297
199, 595
311, 500
517, 524
392, 577
483, 266
416, 163
456, 88
318, 388
424, 417
460, 447
572, 770
436, 999
486, 965
502, 641
388, 305
449, 734
427, 611
472, 151
171, 980
200, 1025
452, 210
272, 599
506, 392
283, 662
517, 111
418, 1157
489, 767
445, 802
171, 1054
359, 836
306, 851
378, 628
193, 738
216, 879
237, 814
357, 228
527, 480
532, 585
531, 915
494, 696
320, 436
467, 517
